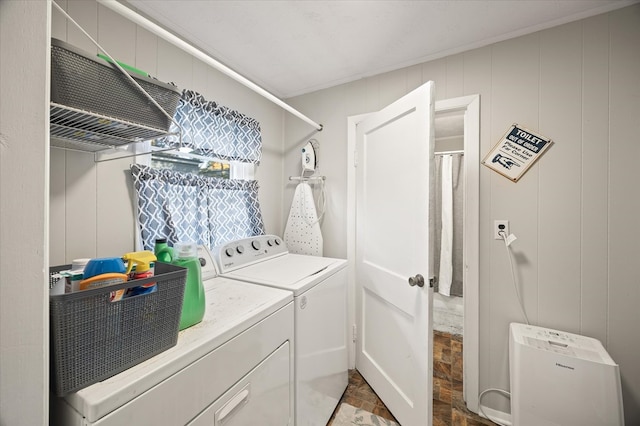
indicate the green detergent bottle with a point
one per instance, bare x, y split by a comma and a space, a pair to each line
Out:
163, 252
193, 305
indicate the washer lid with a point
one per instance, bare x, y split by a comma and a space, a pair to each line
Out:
291, 271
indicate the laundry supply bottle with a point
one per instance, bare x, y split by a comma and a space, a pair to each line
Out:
193, 305
163, 252
144, 262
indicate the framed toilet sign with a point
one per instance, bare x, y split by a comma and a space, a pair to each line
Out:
518, 149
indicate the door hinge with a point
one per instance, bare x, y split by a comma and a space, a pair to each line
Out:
354, 332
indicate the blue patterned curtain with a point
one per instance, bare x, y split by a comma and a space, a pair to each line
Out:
216, 131
186, 207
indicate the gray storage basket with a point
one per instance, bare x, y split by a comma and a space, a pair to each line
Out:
88, 83
93, 338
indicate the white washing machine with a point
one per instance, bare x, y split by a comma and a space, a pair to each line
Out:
319, 287
233, 368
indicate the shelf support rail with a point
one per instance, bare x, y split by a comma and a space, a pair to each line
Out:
161, 32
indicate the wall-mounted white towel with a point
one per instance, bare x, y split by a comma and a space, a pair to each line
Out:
302, 233
446, 240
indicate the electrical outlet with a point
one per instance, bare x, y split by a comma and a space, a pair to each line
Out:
500, 226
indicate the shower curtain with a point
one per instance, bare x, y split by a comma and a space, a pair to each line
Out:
449, 201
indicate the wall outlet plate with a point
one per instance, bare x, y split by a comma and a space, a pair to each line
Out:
498, 226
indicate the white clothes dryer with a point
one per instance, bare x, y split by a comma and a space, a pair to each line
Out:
234, 368
319, 286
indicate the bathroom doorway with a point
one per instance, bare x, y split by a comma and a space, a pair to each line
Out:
448, 309
463, 111
456, 296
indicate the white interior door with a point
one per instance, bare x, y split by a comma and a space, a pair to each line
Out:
394, 349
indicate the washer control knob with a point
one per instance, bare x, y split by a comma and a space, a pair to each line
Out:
277, 241
240, 249
228, 251
255, 245
270, 243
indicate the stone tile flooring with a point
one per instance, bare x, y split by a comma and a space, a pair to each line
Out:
449, 408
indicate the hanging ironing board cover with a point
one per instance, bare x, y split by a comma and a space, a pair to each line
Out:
302, 233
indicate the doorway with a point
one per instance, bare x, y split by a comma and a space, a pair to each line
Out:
448, 309
467, 109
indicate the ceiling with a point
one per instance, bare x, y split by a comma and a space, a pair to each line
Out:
295, 47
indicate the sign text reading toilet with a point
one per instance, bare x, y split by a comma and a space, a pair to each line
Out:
526, 140
514, 154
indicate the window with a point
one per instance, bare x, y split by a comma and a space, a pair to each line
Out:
204, 191
187, 160
190, 163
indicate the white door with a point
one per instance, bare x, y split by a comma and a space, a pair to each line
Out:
394, 152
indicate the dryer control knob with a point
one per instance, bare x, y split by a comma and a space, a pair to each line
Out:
255, 245
228, 252
240, 249
270, 243
277, 241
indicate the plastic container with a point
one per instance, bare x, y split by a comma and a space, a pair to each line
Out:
68, 281
85, 82
102, 280
94, 338
103, 265
140, 264
193, 305
129, 68
163, 252
79, 264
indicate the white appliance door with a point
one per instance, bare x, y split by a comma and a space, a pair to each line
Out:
261, 397
321, 354
294, 272
393, 192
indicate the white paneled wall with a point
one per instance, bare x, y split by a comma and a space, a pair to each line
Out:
574, 212
24, 187
623, 238
595, 178
92, 209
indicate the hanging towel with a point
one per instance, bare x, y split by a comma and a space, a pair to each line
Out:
446, 240
302, 233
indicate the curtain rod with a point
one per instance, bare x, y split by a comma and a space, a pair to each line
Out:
161, 32
305, 178
458, 151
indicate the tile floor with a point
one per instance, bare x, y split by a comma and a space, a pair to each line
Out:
449, 408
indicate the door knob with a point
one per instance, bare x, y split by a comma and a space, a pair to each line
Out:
417, 280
